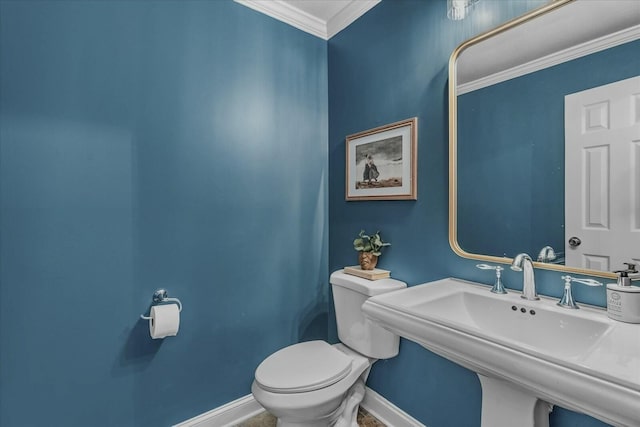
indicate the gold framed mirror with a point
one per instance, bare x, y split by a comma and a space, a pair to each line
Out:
499, 206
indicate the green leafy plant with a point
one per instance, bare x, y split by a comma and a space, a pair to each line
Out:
366, 243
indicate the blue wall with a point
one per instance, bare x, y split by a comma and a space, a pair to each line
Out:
183, 144
146, 144
524, 156
389, 65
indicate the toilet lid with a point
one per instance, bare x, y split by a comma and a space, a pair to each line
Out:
303, 367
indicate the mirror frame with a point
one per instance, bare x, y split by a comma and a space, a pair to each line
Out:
453, 145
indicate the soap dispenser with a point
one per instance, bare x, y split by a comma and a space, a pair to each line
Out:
623, 300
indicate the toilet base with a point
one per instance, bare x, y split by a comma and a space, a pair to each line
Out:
344, 416
349, 414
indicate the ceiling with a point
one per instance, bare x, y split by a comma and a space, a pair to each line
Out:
322, 9
582, 26
322, 18
494, 59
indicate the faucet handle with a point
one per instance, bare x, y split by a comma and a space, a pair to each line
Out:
489, 267
567, 300
588, 282
498, 287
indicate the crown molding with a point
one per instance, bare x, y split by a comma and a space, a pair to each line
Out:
583, 49
285, 12
348, 15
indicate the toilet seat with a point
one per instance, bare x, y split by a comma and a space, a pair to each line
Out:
303, 367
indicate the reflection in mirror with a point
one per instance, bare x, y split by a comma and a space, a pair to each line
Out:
520, 188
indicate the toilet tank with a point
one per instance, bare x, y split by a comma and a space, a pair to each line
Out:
354, 330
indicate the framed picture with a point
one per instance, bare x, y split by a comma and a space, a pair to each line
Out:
382, 162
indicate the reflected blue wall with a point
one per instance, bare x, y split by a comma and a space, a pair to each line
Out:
147, 144
389, 65
522, 160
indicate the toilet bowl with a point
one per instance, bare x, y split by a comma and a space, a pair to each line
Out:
299, 399
315, 384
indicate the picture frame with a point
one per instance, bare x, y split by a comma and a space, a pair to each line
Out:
382, 162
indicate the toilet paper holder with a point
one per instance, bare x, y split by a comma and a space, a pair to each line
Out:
161, 296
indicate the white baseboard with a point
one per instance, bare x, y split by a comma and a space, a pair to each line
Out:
388, 413
226, 415
246, 407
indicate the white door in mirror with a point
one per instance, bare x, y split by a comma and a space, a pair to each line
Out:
602, 176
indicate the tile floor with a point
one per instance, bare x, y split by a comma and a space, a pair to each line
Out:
267, 420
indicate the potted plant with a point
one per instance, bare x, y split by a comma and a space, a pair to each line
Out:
369, 249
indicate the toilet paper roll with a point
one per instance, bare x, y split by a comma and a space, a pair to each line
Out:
165, 321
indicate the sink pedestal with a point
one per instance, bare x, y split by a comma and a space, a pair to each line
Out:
505, 405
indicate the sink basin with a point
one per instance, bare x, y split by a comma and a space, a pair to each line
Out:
511, 320
579, 359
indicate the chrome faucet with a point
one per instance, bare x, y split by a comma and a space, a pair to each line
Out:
547, 254
523, 262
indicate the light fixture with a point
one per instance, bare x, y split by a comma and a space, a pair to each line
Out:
459, 9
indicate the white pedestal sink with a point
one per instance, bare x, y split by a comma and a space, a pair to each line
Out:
526, 353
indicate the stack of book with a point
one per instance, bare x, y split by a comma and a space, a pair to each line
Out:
374, 274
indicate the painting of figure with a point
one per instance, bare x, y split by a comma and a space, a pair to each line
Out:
379, 163
382, 162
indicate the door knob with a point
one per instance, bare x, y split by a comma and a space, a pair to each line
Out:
574, 242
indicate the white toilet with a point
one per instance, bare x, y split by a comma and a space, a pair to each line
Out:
315, 384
